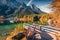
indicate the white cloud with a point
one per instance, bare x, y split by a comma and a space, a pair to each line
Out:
45, 8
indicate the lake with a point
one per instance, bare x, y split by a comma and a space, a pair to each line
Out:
6, 29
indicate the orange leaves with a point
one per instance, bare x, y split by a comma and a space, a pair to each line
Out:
56, 18
58, 22
27, 18
56, 3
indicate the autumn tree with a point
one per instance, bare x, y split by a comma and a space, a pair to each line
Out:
56, 11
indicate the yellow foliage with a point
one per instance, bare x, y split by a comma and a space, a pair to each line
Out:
19, 28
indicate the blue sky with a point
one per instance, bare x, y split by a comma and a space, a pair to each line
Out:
42, 4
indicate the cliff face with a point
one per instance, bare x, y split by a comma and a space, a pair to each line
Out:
10, 8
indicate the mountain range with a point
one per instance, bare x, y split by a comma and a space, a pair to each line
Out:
10, 8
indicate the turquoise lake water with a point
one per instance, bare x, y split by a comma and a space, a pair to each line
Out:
6, 29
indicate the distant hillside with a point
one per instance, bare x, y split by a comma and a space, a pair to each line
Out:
15, 8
